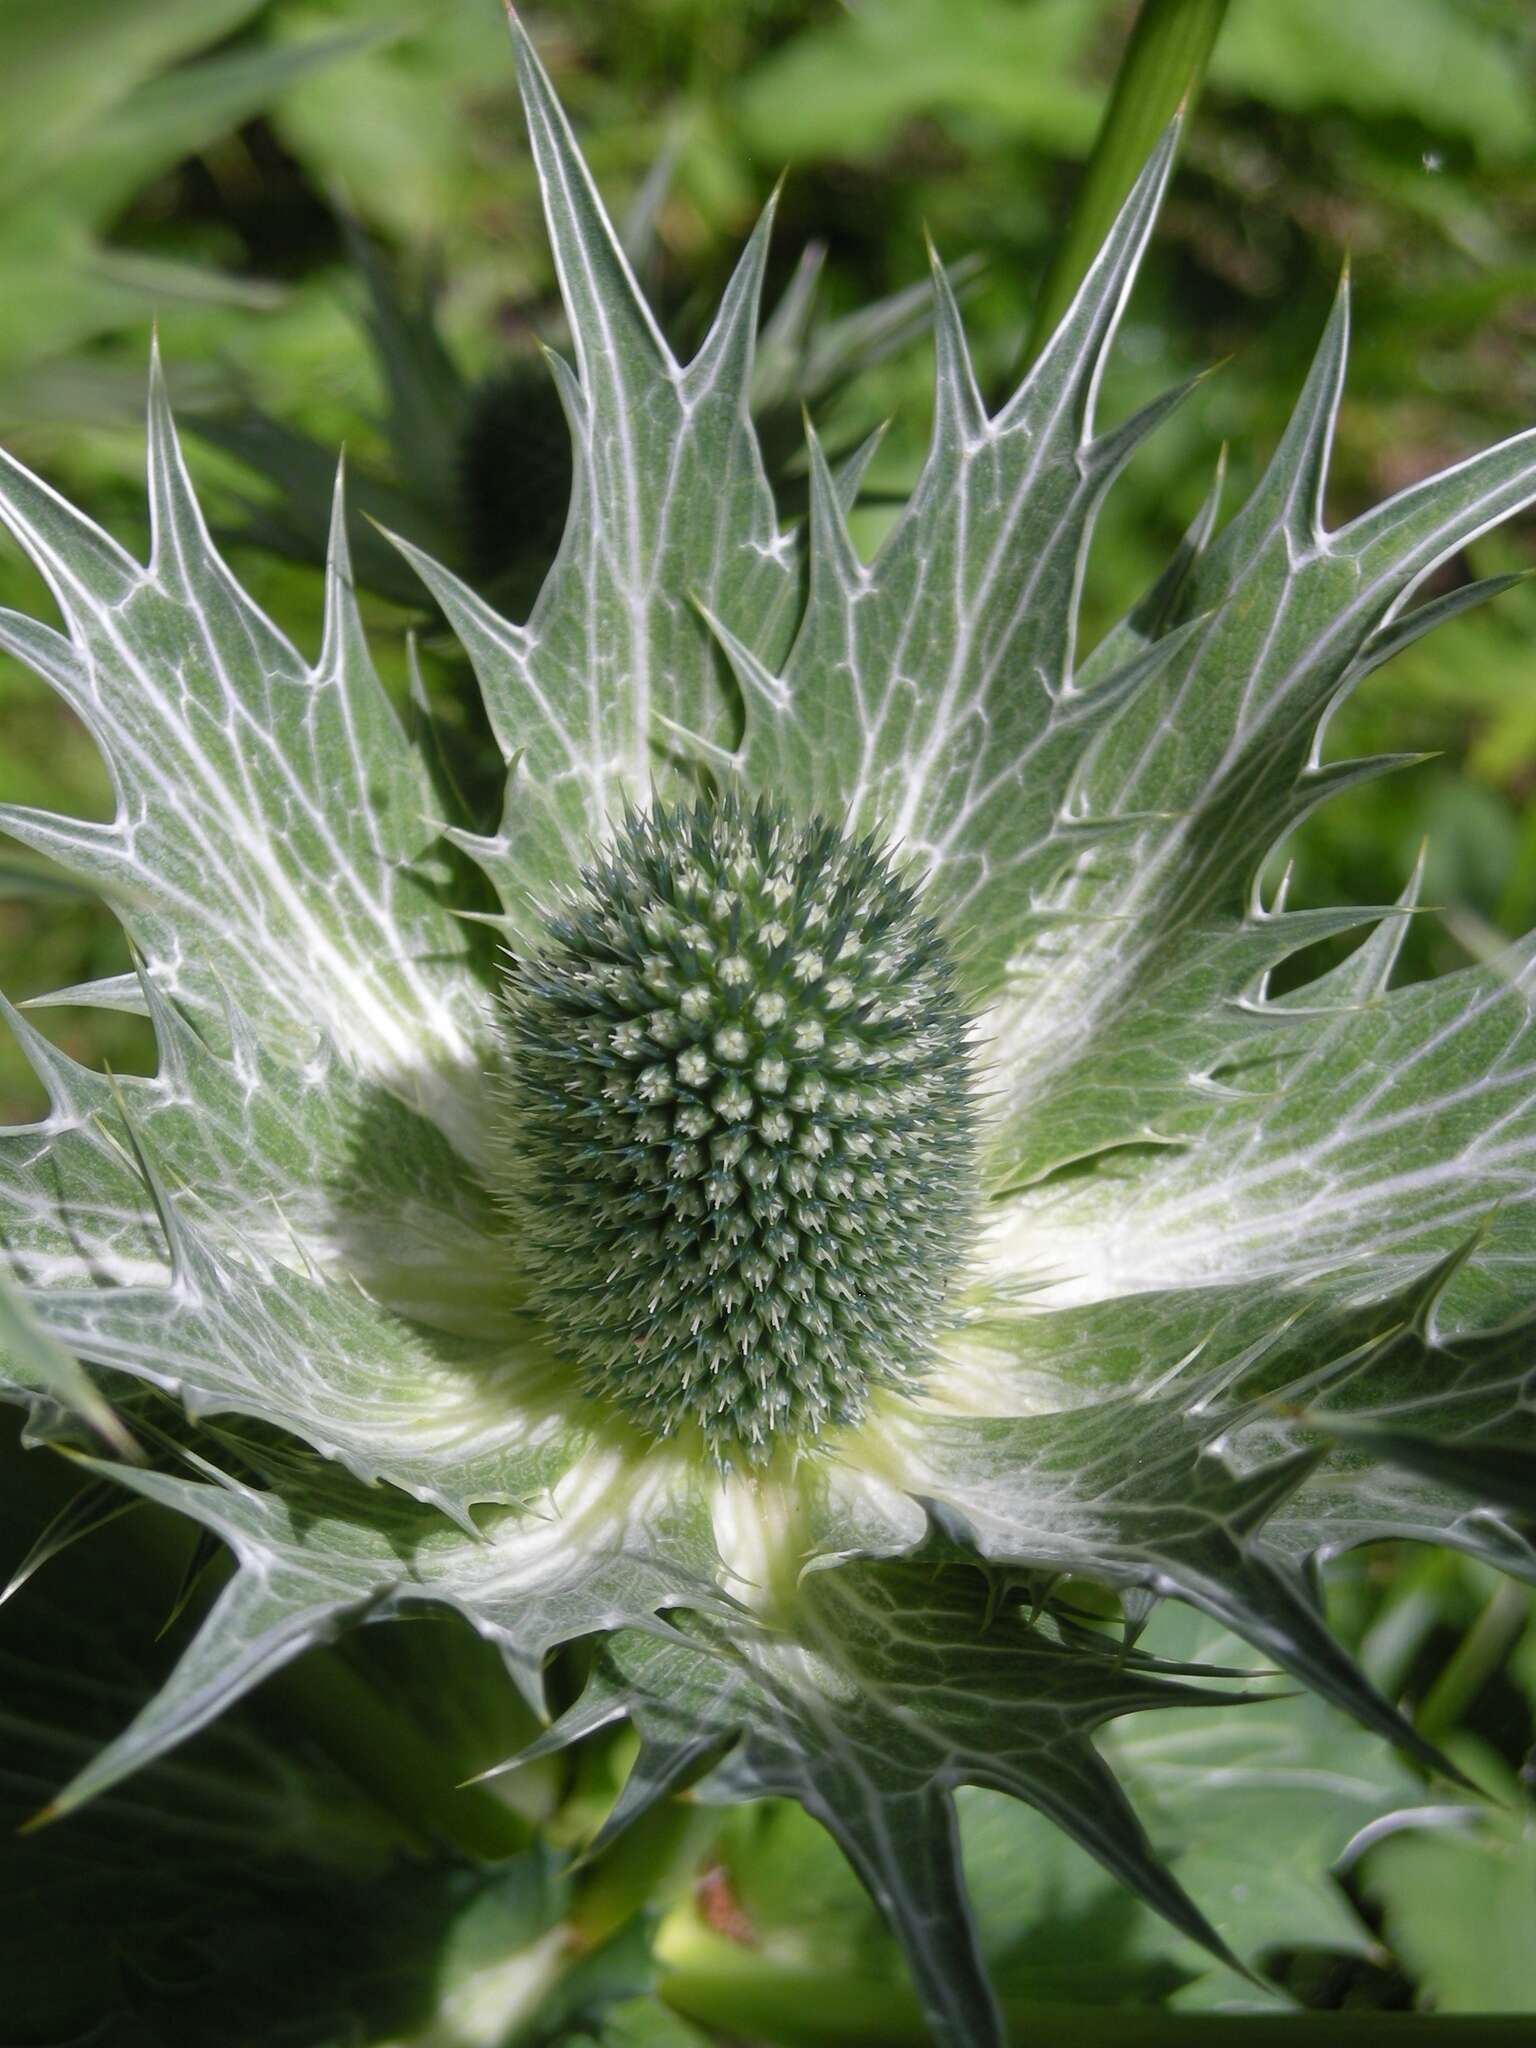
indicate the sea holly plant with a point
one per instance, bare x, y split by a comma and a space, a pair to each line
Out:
818, 1199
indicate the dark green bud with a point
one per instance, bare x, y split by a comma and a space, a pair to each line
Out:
741, 1135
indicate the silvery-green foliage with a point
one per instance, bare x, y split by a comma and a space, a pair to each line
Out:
1251, 1277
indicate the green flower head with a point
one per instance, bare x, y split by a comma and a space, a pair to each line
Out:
739, 1141
866, 1176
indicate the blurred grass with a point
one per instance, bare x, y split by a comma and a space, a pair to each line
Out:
208, 150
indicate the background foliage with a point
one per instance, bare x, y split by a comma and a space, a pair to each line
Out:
238, 168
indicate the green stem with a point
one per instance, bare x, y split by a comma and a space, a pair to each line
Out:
1162, 70
389, 1756
647, 1866
1476, 1657
717, 1983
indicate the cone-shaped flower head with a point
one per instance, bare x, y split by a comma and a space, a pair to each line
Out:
739, 1144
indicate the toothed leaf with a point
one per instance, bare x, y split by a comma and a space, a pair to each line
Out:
899, 1685
317, 1552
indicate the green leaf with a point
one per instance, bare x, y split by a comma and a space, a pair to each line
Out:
844, 87
1205, 767
1159, 75
612, 1543
311, 1166
271, 807
388, 129
303, 473
39, 1368
1255, 1810
642, 2023
609, 664
897, 1685
1356, 1130
1194, 1466
1430, 60
92, 109
1252, 1809
64, 71
451, 1420
1488, 1466
247, 1891
974, 588
179, 114
1454, 1891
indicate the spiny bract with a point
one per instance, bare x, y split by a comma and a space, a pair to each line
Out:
740, 1148
1252, 1274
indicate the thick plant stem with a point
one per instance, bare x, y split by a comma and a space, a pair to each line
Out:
1161, 71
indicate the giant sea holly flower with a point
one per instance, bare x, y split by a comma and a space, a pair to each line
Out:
867, 1176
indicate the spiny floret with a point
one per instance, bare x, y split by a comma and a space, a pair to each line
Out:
740, 1139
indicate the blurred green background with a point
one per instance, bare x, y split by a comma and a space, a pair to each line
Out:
327, 207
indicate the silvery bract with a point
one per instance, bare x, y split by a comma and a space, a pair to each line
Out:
1200, 1284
